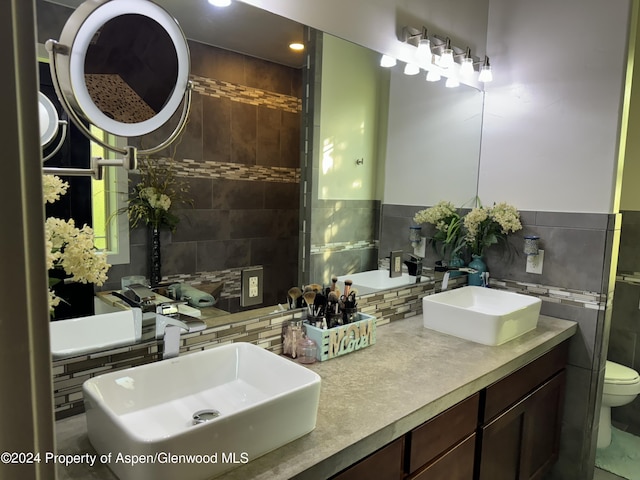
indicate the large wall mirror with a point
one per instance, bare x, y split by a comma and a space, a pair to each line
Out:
261, 224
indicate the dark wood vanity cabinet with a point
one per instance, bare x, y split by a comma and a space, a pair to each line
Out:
519, 434
508, 431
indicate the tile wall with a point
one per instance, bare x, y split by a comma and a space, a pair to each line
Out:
624, 340
575, 285
240, 155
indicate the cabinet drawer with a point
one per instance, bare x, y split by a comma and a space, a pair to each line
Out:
456, 464
385, 464
443, 431
507, 391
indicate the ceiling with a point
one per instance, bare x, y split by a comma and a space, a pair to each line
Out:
239, 28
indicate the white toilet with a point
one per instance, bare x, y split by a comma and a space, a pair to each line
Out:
621, 386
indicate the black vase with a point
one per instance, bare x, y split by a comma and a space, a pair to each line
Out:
155, 262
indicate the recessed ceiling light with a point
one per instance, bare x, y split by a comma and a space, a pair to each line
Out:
297, 46
220, 3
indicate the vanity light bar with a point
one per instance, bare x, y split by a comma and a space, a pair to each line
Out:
443, 59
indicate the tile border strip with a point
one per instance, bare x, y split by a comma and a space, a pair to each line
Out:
241, 93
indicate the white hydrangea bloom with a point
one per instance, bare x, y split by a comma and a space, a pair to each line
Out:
53, 188
436, 215
472, 221
507, 217
70, 248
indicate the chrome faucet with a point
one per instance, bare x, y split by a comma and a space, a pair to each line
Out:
137, 295
169, 328
414, 265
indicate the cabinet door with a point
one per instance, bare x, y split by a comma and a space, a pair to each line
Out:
522, 443
456, 464
543, 425
385, 464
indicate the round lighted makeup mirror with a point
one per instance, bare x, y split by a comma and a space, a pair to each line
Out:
121, 65
47, 119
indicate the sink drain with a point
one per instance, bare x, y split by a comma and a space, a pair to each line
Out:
203, 416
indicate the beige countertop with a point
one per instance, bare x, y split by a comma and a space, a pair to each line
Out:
370, 397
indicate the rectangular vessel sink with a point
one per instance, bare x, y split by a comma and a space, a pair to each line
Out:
376, 280
482, 315
248, 401
79, 336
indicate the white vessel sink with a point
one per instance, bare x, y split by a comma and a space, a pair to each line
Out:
482, 315
79, 336
256, 401
376, 280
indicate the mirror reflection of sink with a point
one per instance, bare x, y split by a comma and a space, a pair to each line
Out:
78, 336
376, 280
482, 315
235, 402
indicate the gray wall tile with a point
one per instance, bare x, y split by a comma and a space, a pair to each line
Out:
597, 221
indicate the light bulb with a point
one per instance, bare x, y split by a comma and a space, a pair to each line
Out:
424, 49
446, 59
466, 67
433, 76
486, 75
411, 69
466, 64
387, 61
485, 71
452, 82
220, 3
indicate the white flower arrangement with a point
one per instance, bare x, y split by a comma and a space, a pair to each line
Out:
486, 226
448, 239
68, 247
151, 199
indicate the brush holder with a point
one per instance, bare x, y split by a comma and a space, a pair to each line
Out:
315, 321
343, 339
350, 315
335, 320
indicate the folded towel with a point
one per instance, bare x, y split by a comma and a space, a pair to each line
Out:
193, 296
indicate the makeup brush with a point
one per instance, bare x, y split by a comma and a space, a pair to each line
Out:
332, 302
332, 310
319, 305
309, 298
294, 293
347, 287
352, 296
334, 285
315, 287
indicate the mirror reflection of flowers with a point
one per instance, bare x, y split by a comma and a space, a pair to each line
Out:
152, 199
448, 239
69, 248
486, 226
